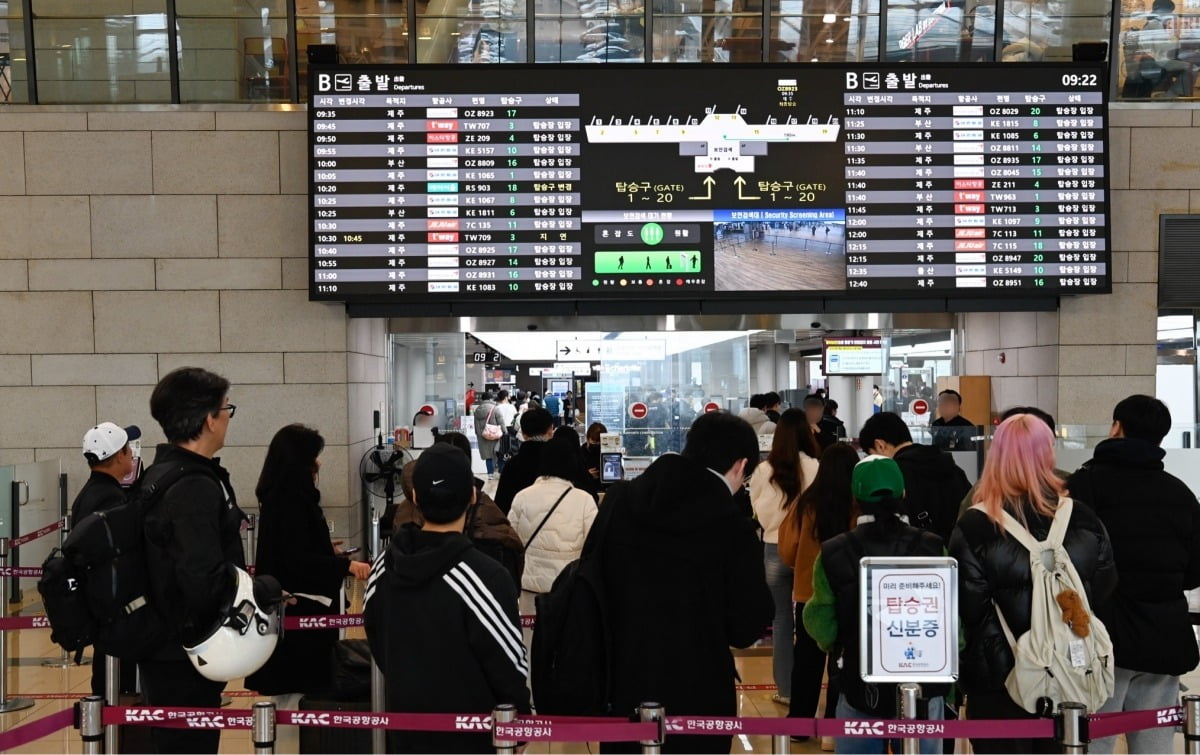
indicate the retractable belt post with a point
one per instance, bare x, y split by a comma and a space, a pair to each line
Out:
91, 724
378, 736
504, 713
653, 713
251, 537
16, 703
1071, 728
112, 695
909, 693
1191, 724
781, 744
264, 728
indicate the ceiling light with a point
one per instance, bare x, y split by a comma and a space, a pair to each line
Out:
829, 18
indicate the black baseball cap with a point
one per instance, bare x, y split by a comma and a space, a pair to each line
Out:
443, 473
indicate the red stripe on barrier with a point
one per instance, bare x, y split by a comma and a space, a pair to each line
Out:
179, 718
35, 730
1111, 724
1031, 728
9, 623
751, 687
20, 571
17, 542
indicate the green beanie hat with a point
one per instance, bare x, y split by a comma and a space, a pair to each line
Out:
877, 478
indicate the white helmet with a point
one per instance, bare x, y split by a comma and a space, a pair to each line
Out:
243, 641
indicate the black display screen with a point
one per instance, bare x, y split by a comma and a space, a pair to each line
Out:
669, 182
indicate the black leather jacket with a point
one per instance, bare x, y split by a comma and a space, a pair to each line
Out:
994, 567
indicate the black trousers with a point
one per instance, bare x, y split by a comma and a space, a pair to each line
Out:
177, 683
809, 663
998, 705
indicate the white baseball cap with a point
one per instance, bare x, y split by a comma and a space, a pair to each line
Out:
106, 439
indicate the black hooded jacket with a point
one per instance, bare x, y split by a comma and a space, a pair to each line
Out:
1153, 519
933, 488
993, 567
193, 535
443, 624
683, 573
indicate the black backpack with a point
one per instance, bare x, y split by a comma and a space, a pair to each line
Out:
572, 643
95, 588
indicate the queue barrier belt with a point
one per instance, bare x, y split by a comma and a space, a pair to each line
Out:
583, 729
17, 542
35, 730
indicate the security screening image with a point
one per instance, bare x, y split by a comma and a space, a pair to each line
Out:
818, 379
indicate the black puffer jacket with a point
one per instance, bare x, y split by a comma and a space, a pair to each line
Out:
994, 567
933, 488
1154, 521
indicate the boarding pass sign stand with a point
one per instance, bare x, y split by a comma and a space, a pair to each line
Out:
908, 619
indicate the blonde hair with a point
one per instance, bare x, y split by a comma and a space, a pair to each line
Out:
1019, 471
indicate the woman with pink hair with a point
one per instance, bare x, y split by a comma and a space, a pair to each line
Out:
993, 568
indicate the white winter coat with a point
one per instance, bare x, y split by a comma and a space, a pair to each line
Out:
561, 541
758, 419
768, 500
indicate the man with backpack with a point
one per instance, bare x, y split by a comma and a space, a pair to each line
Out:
111, 460
934, 485
193, 541
1153, 521
683, 580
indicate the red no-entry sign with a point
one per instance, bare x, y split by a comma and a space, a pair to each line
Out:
638, 410
919, 406
712, 406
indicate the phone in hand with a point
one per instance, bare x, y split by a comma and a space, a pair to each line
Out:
351, 550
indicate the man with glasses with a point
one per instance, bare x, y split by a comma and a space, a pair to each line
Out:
193, 539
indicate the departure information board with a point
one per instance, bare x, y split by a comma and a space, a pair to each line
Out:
451, 183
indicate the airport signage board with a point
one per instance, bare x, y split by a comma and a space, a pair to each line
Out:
714, 183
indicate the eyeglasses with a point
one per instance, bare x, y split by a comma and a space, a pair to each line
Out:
231, 407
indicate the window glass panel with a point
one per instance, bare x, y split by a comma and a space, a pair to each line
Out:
14, 79
717, 38
1047, 30
235, 58
375, 38
920, 31
232, 8
472, 31
570, 31
1158, 49
828, 38
92, 58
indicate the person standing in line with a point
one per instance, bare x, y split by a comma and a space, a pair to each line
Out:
1153, 519
552, 516
193, 542
951, 431
506, 414
486, 413
568, 409
876, 400
825, 430
831, 617
683, 580
775, 485
755, 415
823, 511
590, 452
522, 469
994, 575
934, 485
111, 459
294, 547
441, 617
772, 402
469, 397
554, 406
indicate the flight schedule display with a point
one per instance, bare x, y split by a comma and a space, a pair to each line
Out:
451, 183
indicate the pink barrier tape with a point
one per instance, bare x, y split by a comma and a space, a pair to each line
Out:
719, 726
344, 620
333, 621
1031, 728
20, 571
179, 718
753, 687
1111, 724
9, 623
35, 730
17, 542
603, 730
527, 621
